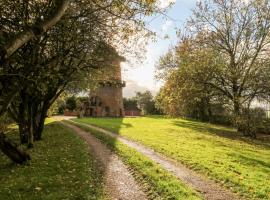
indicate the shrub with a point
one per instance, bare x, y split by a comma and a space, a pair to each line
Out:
253, 121
264, 127
71, 103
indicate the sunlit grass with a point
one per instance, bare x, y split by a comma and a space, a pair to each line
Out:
61, 168
215, 151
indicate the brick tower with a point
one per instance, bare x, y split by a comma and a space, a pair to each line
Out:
107, 99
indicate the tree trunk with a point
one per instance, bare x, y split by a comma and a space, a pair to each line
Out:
30, 126
39, 121
7, 50
237, 115
10, 149
23, 133
23, 129
210, 115
40, 127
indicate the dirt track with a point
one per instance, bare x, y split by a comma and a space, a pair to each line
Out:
119, 182
208, 188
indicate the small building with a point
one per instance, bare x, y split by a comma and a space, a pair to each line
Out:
70, 113
133, 111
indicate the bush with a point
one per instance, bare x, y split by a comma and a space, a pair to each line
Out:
61, 108
253, 121
222, 119
71, 103
264, 127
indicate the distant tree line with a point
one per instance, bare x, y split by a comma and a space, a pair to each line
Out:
220, 66
144, 101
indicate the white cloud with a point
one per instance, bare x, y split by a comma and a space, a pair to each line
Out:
165, 3
132, 87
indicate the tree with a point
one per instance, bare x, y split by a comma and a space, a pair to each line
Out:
57, 10
23, 22
185, 69
71, 103
46, 57
228, 43
239, 32
129, 103
145, 102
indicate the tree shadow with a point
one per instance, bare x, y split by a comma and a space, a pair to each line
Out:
246, 160
48, 165
221, 131
6, 164
111, 124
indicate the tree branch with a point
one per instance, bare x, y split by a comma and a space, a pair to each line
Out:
7, 50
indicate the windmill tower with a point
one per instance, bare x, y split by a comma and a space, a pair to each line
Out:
107, 99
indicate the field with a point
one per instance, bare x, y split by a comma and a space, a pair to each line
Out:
61, 168
218, 152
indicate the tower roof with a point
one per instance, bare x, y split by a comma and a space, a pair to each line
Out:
111, 53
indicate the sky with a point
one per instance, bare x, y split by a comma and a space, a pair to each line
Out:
140, 77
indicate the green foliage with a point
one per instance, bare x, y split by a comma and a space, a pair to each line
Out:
220, 61
63, 56
71, 103
61, 108
129, 103
218, 152
145, 102
159, 183
264, 126
185, 92
252, 121
61, 168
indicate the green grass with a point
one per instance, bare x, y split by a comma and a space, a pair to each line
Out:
158, 183
61, 168
218, 152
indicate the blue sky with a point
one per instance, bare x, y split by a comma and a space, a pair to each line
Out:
141, 77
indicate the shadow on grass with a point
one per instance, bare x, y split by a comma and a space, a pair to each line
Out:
59, 154
111, 124
247, 160
224, 132
13, 134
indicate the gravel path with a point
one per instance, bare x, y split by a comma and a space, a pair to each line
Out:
119, 182
208, 188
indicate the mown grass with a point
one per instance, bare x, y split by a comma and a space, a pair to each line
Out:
158, 183
61, 168
218, 152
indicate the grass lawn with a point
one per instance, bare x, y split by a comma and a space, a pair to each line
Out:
61, 168
157, 182
215, 151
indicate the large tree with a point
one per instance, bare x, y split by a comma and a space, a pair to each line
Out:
185, 69
41, 58
21, 23
229, 53
239, 31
